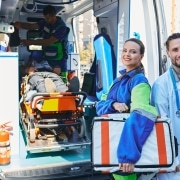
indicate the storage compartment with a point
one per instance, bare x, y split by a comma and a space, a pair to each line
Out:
9, 96
101, 6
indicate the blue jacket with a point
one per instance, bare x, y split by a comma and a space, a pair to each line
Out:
133, 89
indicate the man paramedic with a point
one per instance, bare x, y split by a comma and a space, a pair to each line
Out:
54, 42
165, 96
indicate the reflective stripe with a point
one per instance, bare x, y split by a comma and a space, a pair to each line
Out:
161, 143
105, 142
46, 29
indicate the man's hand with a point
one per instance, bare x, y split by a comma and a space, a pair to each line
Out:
177, 168
17, 25
26, 42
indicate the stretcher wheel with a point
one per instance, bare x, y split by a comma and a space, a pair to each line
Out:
32, 129
82, 128
37, 132
32, 135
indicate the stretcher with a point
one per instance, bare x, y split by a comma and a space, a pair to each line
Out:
158, 153
54, 121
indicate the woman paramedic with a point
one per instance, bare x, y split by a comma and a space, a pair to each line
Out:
130, 93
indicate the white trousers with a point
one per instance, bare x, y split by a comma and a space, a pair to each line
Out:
169, 176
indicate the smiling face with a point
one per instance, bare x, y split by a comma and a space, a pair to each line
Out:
131, 56
173, 52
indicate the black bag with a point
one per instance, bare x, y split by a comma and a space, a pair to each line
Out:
88, 85
14, 39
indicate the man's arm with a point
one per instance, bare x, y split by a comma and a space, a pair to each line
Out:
24, 25
43, 42
159, 98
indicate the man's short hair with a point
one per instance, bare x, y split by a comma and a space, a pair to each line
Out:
49, 10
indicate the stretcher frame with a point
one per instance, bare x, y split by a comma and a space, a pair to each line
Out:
60, 111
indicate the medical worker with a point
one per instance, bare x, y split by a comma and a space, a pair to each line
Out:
166, 96
130, 93
54, 39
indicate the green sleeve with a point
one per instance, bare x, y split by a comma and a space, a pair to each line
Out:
140, 98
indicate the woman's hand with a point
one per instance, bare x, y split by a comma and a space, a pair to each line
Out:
120, 107
126, 167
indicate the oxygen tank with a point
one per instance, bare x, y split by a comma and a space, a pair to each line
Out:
4, 147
